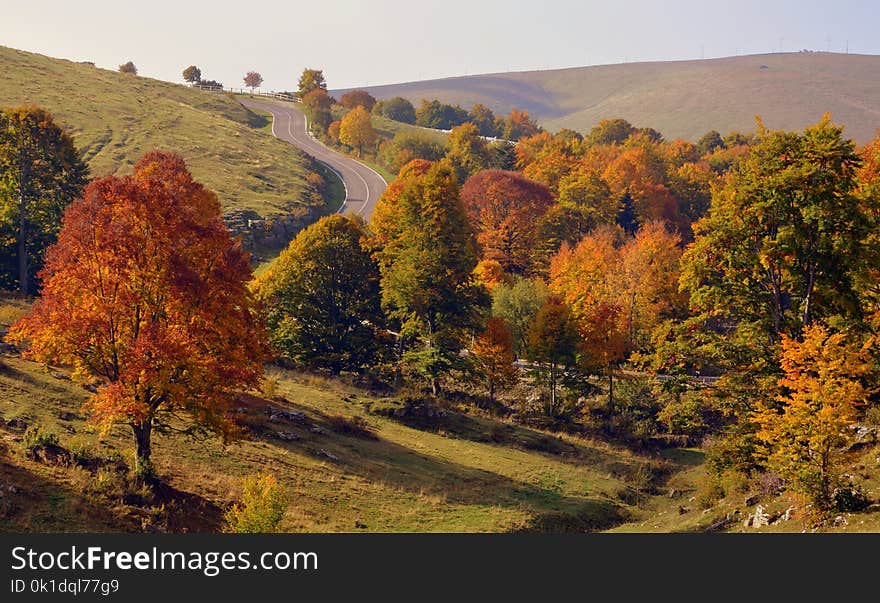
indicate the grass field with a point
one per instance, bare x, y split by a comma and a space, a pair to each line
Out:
678, 98
116, 118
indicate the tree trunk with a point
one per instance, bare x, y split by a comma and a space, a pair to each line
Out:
610, 390
553, 389
142, 434
491, 392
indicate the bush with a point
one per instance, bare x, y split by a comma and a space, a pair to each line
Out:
709, 491
261, 509
35, 437
850, 498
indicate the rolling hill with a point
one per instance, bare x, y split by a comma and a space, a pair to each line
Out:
679, 98
116, 118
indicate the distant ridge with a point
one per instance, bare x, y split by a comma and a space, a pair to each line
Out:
681, 99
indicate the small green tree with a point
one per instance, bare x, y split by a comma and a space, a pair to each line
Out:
261, 508
322, 298
129, 68
41, 172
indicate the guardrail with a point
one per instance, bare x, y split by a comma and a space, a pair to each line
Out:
279, 95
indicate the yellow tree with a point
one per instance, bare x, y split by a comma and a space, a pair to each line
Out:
356, 129
804, 430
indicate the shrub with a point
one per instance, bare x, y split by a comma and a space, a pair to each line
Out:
351, 426
262, 506
850, 498
709, 491
34, 437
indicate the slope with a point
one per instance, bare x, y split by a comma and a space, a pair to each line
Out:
679, 98
116, 118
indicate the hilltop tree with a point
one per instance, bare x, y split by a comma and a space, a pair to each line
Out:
357, 98
492, 354
467, 152
41, 172
553, 343
505, 209
356, 129
253, 80
192, 74
129, 68
805, 429
317, 108
146, 295
310, 80
427, 255
322, 298
710, 141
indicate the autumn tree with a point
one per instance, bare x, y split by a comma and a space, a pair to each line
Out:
553, 343
427, 252
519, 125
467, 151
192, 74
505, 209
357, 98
316, 105
804, 429
128, 68
710, 141
41, 172
310, 80
253, 80
146, 295
492, 354
356, 129
322, 298
518, 303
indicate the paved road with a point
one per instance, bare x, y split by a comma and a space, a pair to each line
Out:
363, 186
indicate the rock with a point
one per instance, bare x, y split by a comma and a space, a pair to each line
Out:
758, 519
318, 431
359, 525
66, 415
329, 455
673, 493
287, 436
840, 521
17, 424
58, 375
751, 500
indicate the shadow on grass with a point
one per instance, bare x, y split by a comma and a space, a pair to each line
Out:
398, 467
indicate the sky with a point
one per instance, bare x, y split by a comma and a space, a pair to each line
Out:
386, 41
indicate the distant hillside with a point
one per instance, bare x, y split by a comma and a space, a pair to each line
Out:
679, 98
117, 118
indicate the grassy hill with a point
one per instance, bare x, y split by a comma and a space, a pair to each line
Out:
679, 98
116, 118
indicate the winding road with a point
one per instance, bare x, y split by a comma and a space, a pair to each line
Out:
363, 185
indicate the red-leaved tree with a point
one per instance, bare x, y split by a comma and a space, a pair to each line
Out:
146, 295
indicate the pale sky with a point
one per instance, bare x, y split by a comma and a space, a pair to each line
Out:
386, 41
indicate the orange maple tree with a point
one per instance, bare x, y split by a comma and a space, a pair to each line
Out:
504, 208
146, 295
493, 356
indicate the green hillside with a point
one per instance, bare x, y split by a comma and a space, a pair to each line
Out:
116, 118
679, 98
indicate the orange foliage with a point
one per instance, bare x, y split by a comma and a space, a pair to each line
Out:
146, 294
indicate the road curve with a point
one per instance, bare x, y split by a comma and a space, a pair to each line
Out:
363, 185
